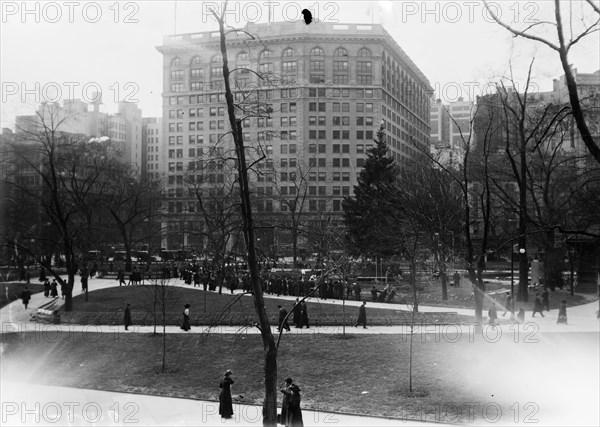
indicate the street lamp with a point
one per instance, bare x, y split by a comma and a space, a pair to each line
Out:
512, 276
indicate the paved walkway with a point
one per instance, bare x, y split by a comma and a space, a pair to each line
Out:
37, 405
14, 317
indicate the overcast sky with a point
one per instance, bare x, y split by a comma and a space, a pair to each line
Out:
111, 45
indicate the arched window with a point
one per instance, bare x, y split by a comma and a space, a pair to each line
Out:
264, 62
340, 51
340, 66
196, 60
364, 67
317, 51
317, 65
216, 58
176, 61
289, 66
242, 56
364, 52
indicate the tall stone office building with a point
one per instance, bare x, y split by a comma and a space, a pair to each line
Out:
328, 89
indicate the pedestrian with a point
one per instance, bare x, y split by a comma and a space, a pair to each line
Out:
25, 296
537, 306
304, 315
283, 323
493, 315
47, 288
42, 275
127, 317
297, 313
84, 278
121, 276
357, 291
508, 304
521, 315
293, 413
54, 288
374, 294
185, 324
287, 399
456, 279
225, 403
546, 300
562, 312
362, 316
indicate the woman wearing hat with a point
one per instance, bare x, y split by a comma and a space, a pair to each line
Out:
225, 404
185, 325
291, 414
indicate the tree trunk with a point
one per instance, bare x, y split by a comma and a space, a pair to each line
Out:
413, 285
444, 281
574, 100
269, 345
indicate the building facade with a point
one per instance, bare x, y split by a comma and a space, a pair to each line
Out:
451, 127
322, 92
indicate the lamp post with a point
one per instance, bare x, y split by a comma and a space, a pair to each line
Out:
512, 276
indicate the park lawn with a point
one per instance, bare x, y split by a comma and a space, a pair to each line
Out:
364, 374
11, 291
141, 299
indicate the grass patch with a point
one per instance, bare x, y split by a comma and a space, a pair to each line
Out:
367, 374
11, 291
141, 299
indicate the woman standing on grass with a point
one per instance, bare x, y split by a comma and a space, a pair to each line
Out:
225, 403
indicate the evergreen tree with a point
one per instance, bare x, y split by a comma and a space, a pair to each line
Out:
367, 213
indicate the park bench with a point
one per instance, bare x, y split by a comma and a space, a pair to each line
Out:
47, 313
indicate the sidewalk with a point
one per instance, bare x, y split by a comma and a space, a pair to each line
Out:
581, 318
28, 405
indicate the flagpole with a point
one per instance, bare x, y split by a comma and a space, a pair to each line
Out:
175, 18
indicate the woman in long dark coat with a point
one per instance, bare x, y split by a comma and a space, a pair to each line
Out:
47, 288
293, 413
54, 288
225, 403
185, 325
304, 316
287, 399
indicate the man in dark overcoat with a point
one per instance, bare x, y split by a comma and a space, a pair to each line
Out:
127, 317
362, 316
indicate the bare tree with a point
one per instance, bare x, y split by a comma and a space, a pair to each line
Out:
134, 204
562, 46
270, 347
68, 171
